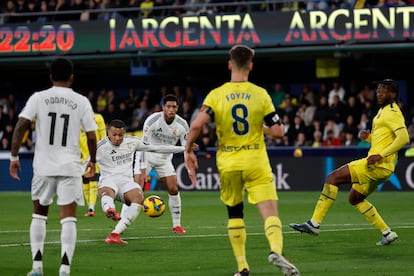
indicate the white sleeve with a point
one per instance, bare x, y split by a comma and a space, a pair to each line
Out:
30, 109
140, 162
159, 148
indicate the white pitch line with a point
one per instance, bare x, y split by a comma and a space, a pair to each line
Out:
369, 227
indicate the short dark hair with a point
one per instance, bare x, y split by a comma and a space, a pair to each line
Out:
390, 84
169, 98
61, 69
241, 55
117, 123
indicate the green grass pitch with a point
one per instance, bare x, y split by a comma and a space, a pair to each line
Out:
345, 246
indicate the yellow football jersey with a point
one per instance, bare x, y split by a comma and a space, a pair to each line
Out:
388, 120
239, 109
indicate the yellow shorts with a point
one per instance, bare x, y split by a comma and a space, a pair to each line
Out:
365, 179
259, 185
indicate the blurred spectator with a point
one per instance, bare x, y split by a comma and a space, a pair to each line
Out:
44, 8
306, 111
7, 136
349, 139
177, 8
186, 112
141, 112
12, 116
277, 95
286, 123
352, 107
107, 5
90, 14
295, 128
123, 113
331, 125
300, 140
101, 101
350, 126
316, 126
322, 110
31, 8
190, 97
288, 106
336, 110
110, 113
307, 94
21, 7
317, 139
363, 122
8, 12
206, 8
132, 99
146, 8
331, 140
337, 90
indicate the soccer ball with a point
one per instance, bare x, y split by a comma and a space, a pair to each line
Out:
154, 206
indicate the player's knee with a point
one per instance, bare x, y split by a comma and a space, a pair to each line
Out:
235, 211
173, 191
355, 198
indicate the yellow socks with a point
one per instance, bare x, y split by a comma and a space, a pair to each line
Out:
372, 215
90, 192
93, 192
237, 235
273, 232
85, 188
326, 199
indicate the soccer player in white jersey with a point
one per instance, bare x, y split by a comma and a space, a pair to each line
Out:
115, 156
59, 113
164, 127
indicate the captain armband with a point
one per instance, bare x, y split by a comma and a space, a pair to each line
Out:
272, 119
208, 110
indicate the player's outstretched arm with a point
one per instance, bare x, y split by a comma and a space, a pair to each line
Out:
141, 146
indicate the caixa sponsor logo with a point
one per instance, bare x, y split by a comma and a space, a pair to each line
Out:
210, 180
205, 181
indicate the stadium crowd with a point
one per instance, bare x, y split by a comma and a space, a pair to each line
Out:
320, 115
41, 11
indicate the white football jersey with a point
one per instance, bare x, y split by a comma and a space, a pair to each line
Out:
157, 131
117, 161
59, 114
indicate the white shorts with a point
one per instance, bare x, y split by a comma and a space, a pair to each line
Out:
68, 189
120, 187
163, 168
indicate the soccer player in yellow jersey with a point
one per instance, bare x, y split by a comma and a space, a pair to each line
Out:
90, 185
243, 112
389, 134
